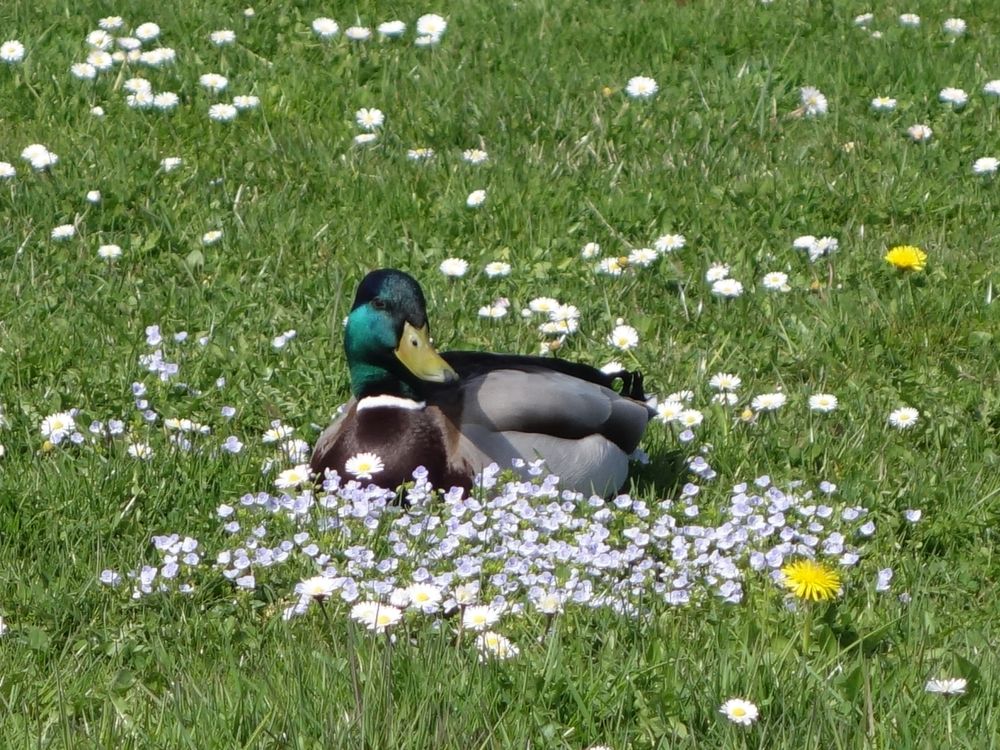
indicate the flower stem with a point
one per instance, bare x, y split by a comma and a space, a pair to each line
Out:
806, 627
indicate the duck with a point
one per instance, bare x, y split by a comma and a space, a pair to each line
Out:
457, 412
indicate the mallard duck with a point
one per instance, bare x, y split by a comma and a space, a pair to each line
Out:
457, 412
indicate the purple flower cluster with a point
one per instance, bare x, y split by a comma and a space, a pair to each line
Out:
527, 544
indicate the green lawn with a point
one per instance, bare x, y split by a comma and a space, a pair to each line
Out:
632, 621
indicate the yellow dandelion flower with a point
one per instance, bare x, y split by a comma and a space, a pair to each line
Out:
808, 579
907, 258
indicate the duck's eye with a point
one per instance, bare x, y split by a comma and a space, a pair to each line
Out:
378, 303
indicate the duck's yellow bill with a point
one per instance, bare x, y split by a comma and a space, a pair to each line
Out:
416, 352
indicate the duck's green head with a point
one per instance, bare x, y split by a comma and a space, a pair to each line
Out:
387, 339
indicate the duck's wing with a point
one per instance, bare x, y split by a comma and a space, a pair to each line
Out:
473, 364
502, 393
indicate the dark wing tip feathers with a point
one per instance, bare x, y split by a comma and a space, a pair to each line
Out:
470, 364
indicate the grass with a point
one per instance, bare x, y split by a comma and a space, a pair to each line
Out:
716, 155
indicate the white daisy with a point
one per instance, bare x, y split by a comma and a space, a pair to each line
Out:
904, 417
476, 198
454, 267
364, 139
642, 257
431, 25
213, 81
864, 19
992, 87
325, 28
883, 104
100, 59
823, 246
222, 37
363, 465
668, 243
57, 426
805, 242
716, 272
911, 20
147, 31
291, 478
727, 288
243, 102
137, 86
641, 87
63, 232
141, 451
690, 418
369, 119
318, 588
11, 51
624, 337
83, 71
986, 165
919, 133
590, 251
475, 156
376, 616
739, 711
776, 281
420, 154
277, 432
358, 33
111, 23
559, 327
391, 29
480, 617
7, 170
426, 40
951, 686
97, 111
109, 252
814, 103
724, 381
39, 157
495, 646
823, 402
142, 100
497, 309
222, 112
170, 163
211, 237
953, 96
156, 58
497, 268
768, 401
955, 26
166, 100
543, 305
424, 596
612, 266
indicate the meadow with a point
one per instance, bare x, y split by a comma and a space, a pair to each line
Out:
784, 214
